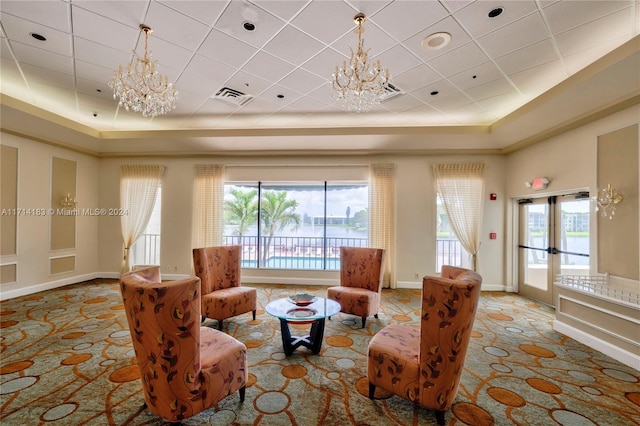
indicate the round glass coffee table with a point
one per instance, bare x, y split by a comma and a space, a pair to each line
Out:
313, 313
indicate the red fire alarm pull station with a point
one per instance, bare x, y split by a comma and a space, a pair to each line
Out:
493, 197
492, 236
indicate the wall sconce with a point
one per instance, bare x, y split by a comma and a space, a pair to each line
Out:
68, 202
537, 184
606, 201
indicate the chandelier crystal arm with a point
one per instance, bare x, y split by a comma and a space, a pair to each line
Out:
141, 88
359, 84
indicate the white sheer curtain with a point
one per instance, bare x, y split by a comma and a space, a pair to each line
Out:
138, 190
461, 189
208, 204
382, 221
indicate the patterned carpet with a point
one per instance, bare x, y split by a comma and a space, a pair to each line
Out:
67, 359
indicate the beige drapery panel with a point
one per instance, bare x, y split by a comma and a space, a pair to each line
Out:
461, 189
138, 190
382, 221
208, 204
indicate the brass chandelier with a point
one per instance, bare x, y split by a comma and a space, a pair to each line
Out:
606, 200
141, 88
360, 84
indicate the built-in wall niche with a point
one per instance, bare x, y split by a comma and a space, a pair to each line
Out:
618, 237
8, 200
63, 183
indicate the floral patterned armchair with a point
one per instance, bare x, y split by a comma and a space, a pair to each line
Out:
425, 365
184, 368
222, 295
361, 271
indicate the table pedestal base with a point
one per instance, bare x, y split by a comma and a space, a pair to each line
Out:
313, 341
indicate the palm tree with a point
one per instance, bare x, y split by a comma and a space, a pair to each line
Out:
277, 212
242, 210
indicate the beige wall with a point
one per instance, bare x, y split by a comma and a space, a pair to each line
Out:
570, 162
33, 257
416, 231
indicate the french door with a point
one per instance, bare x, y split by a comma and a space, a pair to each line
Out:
553, 239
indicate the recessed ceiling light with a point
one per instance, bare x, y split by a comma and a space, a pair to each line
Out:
280, 96
435, 92
495, 12
249, 26
436, 41
38, 36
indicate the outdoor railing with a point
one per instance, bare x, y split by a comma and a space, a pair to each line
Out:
147, 250
293, 252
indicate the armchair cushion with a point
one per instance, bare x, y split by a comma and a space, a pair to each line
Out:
425, 365
184, 368
361, 274
222, 295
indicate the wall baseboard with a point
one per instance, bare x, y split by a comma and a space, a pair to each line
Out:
23, 291
619, 354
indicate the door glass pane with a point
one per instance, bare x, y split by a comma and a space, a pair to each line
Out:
574, 237
536, 236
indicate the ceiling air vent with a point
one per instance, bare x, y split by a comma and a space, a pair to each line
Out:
232, 97
391, 91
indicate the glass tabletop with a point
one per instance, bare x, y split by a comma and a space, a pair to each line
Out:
287, 310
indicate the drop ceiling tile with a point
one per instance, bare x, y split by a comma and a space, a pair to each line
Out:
99, 29
98, 89
260, 105
42, 58
214, 106
601, 32
443, 87
53, 14
397, 60
175, 27
302, 81
195, 83
248, 83
206, 12
304, 105
37, 75
273, 94
374, 40
476, 76
238, 12
190, 102
524, 32
224, 48
453, 101
93, 72
268, 67
458, 38
324, 63
579, 60
564, 15
20, 30
455, 5
528, 57
201, 66
492, 88
403, 19
168, 56
128, 13
474, 17
293, 45
326, 21
540, 77
285, 10
402, 103
415, 78
99, 54
468, 55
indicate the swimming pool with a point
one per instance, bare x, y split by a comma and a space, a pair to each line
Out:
282, 262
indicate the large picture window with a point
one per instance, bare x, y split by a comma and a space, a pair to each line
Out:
295, 225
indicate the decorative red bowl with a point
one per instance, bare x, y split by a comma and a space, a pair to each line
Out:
302, 299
